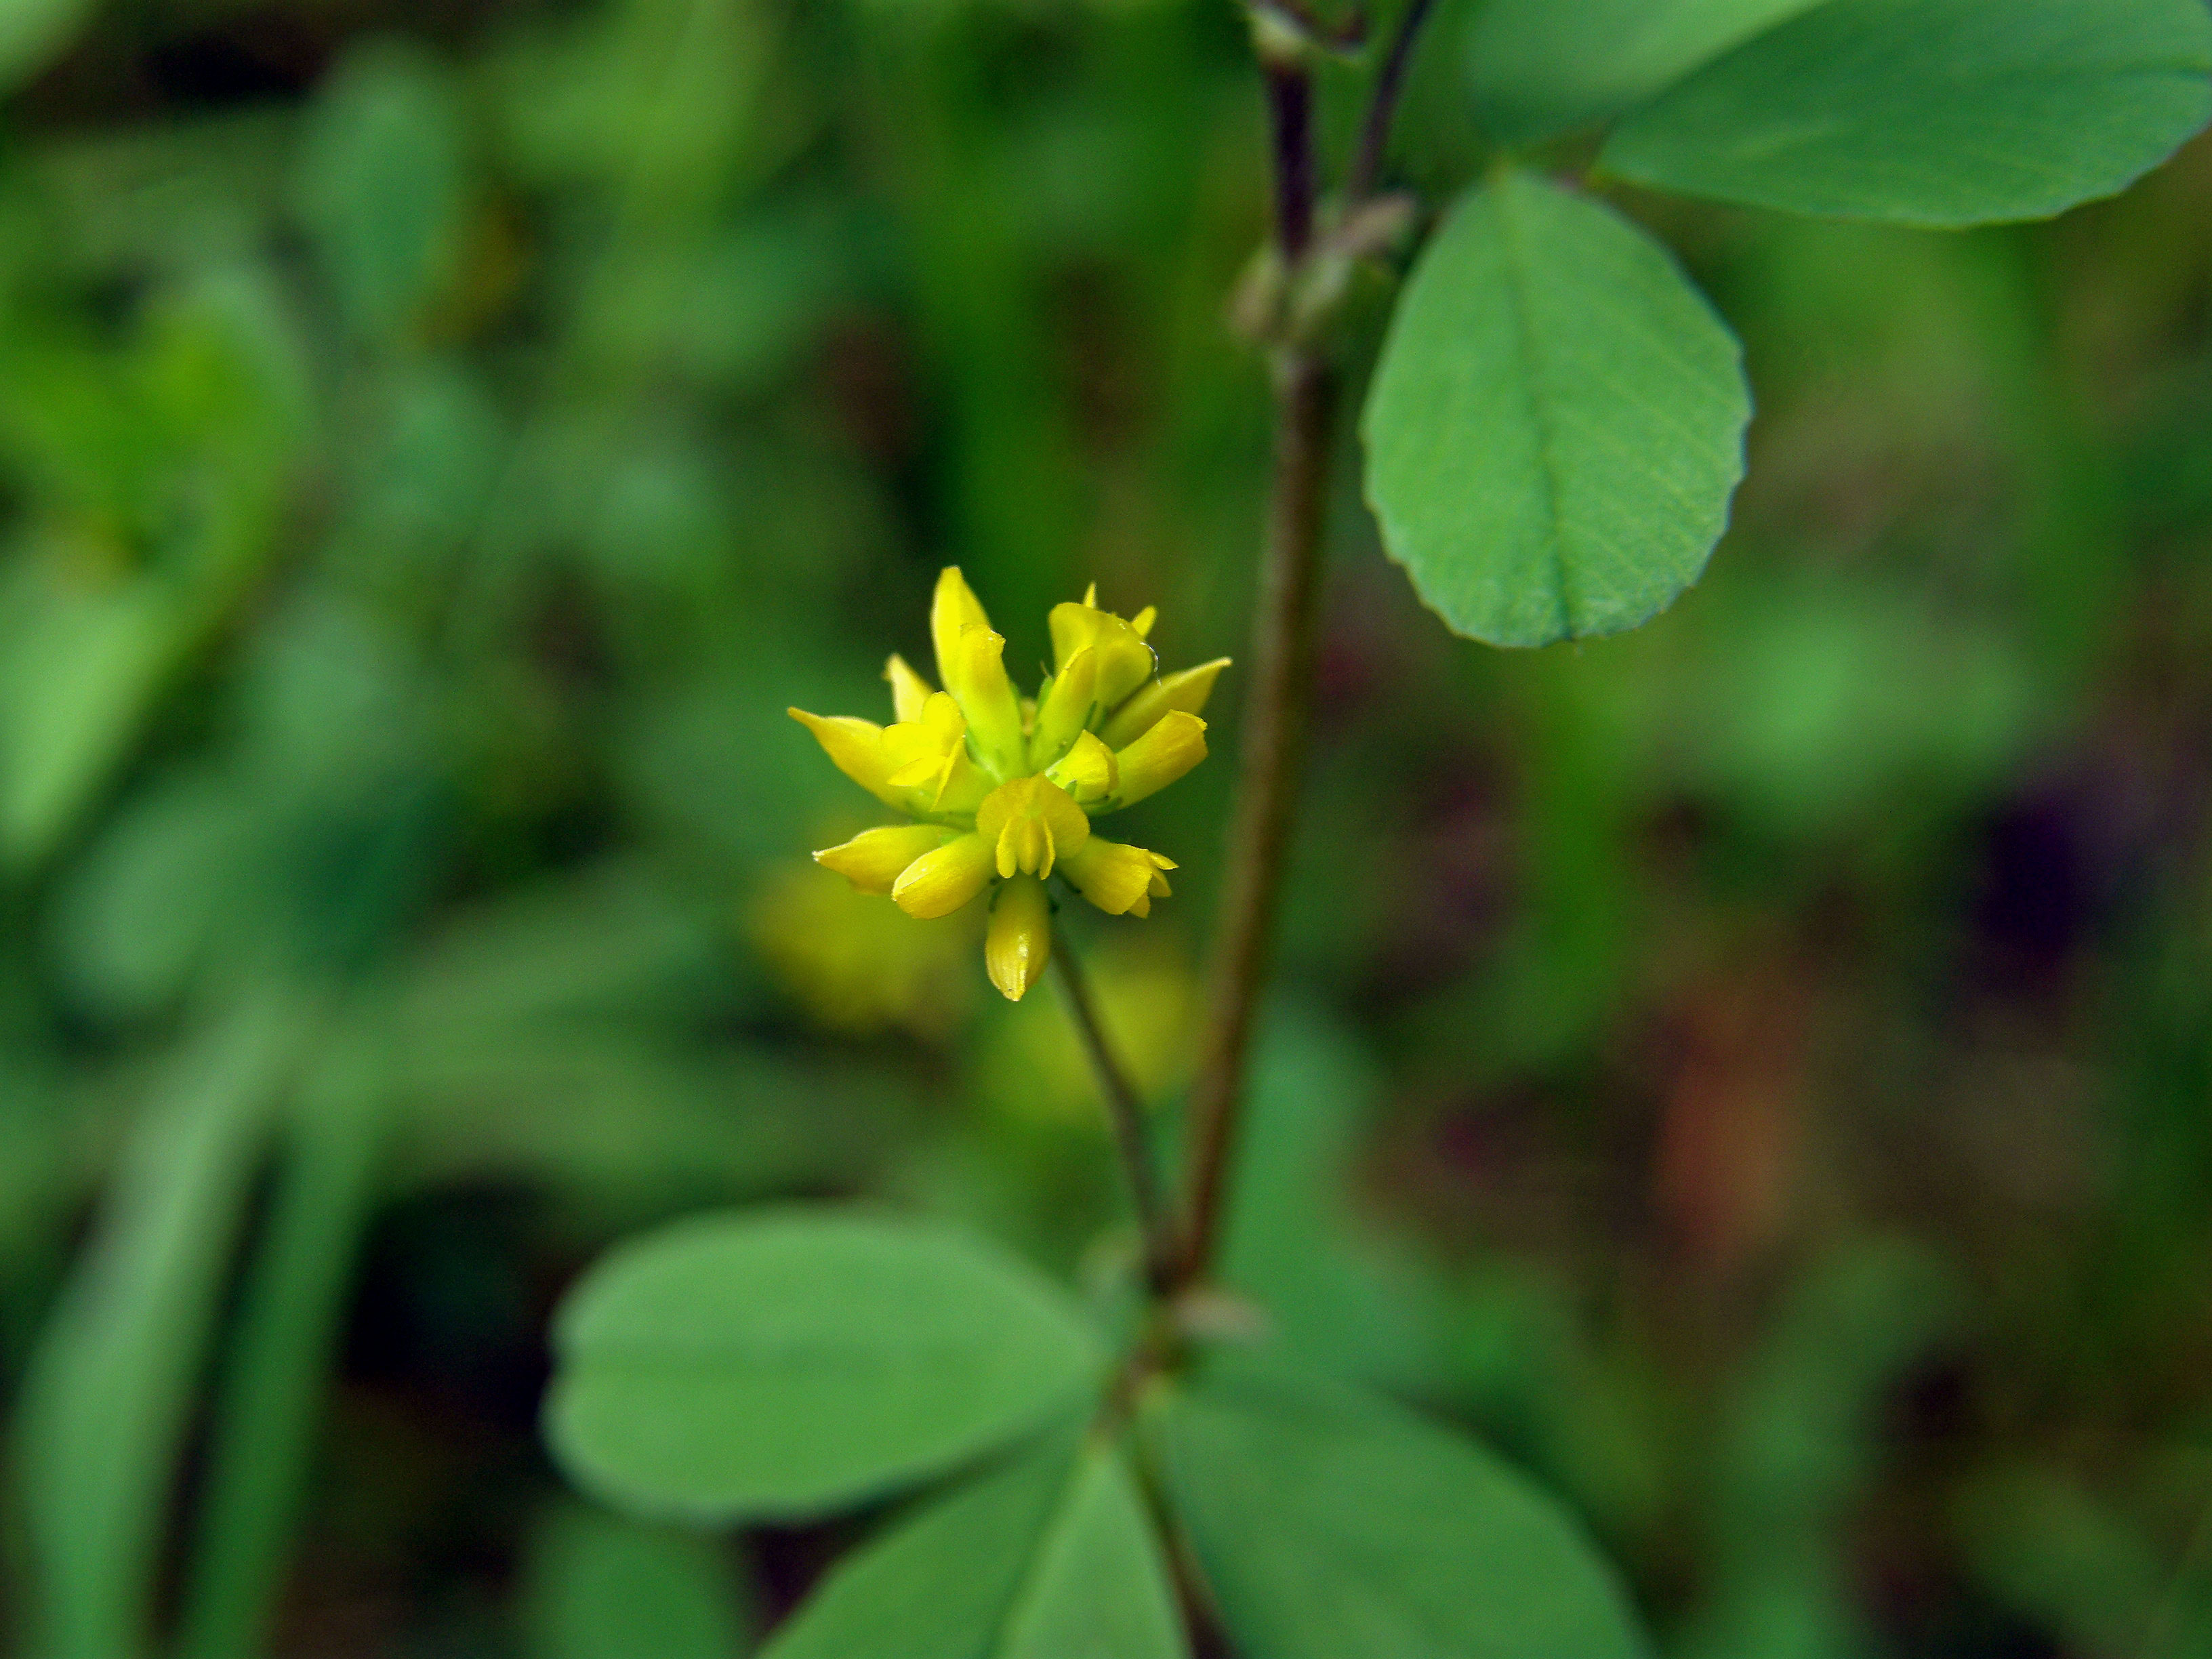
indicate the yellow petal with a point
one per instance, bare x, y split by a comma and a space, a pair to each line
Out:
1118, 878
1187, 689
1143, 621
1031, 824
935, 732
875, 859
1019, 943
1089, 771
975, 675
962, 787
937, 883
909, 691
1175, 744
928, 757
953, 609
1067, 708
856, 746
1124, 661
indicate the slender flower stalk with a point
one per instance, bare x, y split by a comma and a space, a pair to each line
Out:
1125, 1109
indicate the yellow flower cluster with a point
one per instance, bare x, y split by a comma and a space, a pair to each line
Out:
1002, 789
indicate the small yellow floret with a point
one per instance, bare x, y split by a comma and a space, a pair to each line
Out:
976, 676
952, 608
1124, 661
1186, 690
855, 747
1032, 823
1019, 944
1067, 708
909, 691
1121, 880
937, 883
875, 859
1089, 771
929, 755
1175, 744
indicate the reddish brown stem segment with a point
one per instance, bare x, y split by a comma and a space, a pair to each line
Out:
1382, 107
1282, 644
1274, 748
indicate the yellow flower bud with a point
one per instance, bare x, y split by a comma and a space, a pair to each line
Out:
856, 748
1119, 879
953, 609
875, 859
937, 883
1019, 944
1176, 743
1088, 772
1187, 690
909, 691
1124, 661
1067, 708
975, 675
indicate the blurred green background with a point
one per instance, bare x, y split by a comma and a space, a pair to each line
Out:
1758, 1071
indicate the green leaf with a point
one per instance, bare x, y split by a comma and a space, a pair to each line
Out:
82, 671
1051, 1557
107, 1399
1933, 112
600, 1586
2043, 1547
1556, 423
1539, 68
786, 1363
1328, 1522
383, 187
33, 31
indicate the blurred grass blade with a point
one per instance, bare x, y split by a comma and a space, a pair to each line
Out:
599, 1586
271, 1399
112, 1383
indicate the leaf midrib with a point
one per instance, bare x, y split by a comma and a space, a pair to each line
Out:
1533, 377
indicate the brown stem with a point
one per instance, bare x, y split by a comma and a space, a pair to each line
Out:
1290, 105
1124, 1110
1274, 746
1389, 85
